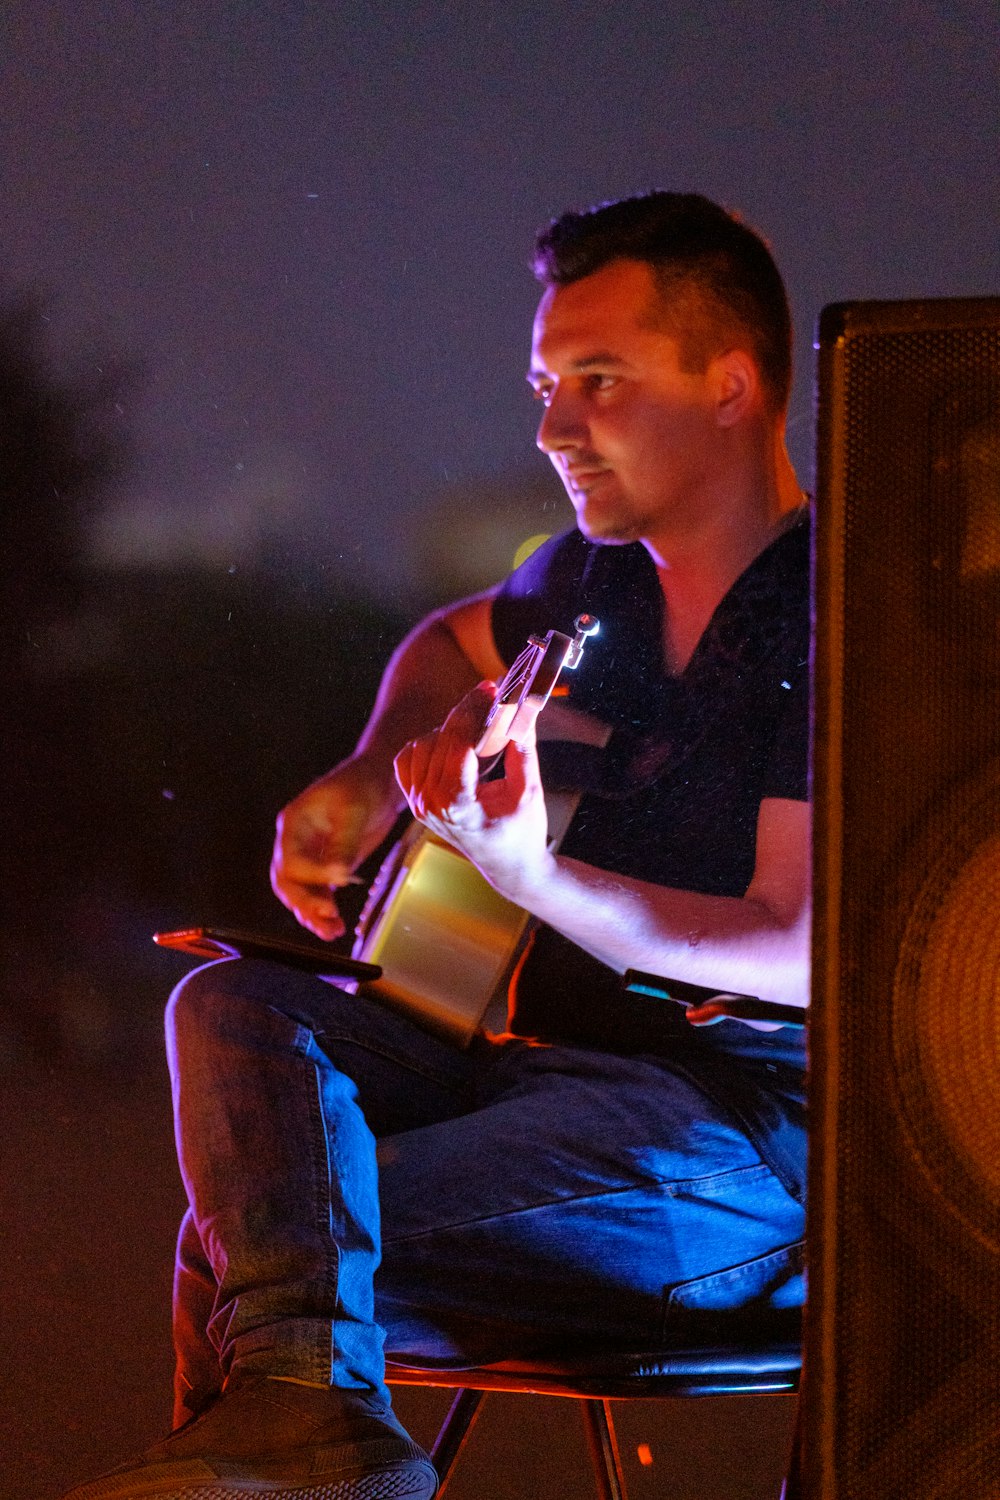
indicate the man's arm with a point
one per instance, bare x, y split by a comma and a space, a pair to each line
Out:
756, 944
325, 833
436, 665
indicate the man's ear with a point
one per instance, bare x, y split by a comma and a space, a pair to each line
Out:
737, 386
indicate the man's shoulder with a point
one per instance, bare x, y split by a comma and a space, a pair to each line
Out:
788, 556
777, 585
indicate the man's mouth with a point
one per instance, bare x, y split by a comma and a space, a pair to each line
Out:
581, 477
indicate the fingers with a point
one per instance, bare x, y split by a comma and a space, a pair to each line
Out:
438, 778
312, 906
305, 868
705, 1015
468, 718
714, 1011
451, 774
521, 781
439, 773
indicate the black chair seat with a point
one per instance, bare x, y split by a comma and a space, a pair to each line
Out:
618, 1375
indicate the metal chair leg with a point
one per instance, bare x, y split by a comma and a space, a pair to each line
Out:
792, 1487
604, 1449
454, 1433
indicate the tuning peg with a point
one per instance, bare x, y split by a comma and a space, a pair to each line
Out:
585, 626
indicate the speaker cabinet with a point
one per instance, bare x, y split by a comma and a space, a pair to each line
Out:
901, 1391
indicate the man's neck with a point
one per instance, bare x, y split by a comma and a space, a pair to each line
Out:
696, 571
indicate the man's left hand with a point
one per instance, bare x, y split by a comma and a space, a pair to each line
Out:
499, 824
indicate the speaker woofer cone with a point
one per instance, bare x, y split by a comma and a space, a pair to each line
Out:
946, 1013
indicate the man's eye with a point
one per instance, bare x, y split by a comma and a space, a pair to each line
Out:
597, 382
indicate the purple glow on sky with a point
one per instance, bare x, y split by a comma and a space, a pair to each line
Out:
309, 224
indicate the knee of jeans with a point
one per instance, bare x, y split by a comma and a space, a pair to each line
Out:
199, 1003
230, 1000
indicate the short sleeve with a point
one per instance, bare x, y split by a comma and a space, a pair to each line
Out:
787, 771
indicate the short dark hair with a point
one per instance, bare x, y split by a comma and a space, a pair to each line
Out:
699, 252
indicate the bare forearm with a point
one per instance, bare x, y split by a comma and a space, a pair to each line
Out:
726, 943
757, 944
427, 674
331, 827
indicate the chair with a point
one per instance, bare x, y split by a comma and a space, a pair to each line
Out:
760, 1365
599, 1379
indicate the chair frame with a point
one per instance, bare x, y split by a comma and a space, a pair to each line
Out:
597, 1381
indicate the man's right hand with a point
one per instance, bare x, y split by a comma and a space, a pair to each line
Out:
323, 835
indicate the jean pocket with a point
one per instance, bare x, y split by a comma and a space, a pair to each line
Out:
767, 1292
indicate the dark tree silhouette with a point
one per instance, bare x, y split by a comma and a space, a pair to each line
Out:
154, 722
62, 448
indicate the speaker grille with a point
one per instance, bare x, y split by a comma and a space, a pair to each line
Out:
946, 1021
902, 1386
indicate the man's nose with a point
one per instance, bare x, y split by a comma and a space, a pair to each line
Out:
562, 425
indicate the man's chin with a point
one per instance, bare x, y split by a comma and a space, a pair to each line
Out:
605, 532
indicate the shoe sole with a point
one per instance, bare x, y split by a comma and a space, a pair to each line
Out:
399, 1484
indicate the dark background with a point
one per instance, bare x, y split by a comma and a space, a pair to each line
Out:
264, 314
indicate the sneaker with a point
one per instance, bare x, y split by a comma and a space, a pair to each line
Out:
282, 1440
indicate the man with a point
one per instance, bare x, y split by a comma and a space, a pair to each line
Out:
606, 1169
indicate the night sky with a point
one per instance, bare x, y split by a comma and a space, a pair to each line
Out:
307, 225
304, 228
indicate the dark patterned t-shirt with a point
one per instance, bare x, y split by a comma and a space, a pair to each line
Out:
675, 797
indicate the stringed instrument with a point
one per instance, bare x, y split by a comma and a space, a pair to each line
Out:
446, 941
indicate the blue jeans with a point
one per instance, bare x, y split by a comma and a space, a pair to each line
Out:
356, 1184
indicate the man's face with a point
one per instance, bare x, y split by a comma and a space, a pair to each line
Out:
632, 435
